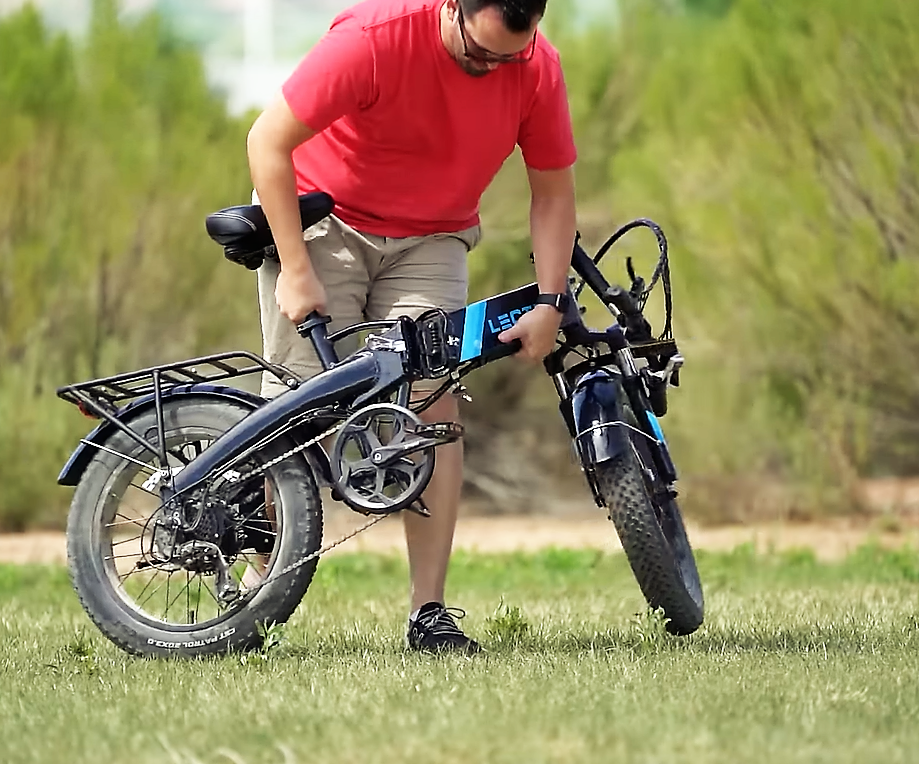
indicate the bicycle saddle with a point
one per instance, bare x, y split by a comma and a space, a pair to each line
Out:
244, 233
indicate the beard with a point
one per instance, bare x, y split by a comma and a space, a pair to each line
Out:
473, 69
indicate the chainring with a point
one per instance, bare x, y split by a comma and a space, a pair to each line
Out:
380, 462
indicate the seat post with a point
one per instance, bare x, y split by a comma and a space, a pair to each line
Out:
314, 329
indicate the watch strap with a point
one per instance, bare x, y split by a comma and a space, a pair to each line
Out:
559, 301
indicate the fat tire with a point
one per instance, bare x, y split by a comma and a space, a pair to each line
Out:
665, 569
239, 629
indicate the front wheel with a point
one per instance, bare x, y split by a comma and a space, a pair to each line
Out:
153, 605
654, 539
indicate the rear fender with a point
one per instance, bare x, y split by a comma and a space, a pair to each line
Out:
81, 457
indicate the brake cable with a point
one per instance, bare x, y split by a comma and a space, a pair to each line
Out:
638, 290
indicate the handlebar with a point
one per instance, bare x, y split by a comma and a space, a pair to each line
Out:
614, 297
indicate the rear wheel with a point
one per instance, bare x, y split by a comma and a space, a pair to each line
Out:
652, 533
150, 605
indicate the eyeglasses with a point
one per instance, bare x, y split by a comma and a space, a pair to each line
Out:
475, 52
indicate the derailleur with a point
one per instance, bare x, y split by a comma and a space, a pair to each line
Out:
383, 458
206, 558
169, 548
175, 544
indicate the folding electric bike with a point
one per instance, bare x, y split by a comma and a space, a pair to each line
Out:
188, 486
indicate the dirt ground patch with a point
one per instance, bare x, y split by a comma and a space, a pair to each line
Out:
829, 540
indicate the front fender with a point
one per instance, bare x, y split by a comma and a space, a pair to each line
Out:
596, 412
79, 460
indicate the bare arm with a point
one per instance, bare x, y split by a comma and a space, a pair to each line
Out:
553, 226
272, 140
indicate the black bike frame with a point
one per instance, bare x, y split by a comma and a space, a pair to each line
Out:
590, 391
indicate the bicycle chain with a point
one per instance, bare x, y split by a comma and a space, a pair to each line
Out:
295, 450
319, 552
250, 590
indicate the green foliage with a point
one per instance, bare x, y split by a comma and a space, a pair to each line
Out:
272, 638
783, 140
112, 151
775, 142
507, 627
777, 145
650, 632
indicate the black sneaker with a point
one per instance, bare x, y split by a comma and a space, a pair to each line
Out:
435, 630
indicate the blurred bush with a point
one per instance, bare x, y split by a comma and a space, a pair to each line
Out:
778, 145
775, 142
112, 150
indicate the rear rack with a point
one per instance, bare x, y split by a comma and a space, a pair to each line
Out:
108, 392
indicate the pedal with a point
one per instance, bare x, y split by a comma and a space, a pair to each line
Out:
444, 432
419, 508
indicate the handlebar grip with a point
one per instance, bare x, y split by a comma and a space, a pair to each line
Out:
505, 349
314, 329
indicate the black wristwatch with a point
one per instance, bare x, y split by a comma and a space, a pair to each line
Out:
558, 301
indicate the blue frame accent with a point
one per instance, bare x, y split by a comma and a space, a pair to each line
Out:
656, 426
473, 329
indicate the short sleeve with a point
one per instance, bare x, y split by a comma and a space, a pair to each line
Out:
334, 79
546, 138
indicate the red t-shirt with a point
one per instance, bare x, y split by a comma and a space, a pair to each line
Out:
407, 141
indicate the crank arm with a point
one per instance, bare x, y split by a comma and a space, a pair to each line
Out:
427, 436
387, 455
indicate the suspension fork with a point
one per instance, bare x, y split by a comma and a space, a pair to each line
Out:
635, 391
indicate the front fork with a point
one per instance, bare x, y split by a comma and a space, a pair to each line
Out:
635, 390
592, 407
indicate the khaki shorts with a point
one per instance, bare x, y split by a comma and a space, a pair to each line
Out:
366, 278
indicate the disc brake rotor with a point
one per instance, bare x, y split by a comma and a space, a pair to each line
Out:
381, 461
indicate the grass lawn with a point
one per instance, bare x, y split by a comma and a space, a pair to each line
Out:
798, 661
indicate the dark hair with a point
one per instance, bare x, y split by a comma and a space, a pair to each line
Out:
517, 15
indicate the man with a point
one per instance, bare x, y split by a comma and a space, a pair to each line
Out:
404, 112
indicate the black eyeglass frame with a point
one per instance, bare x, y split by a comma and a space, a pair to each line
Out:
522, 57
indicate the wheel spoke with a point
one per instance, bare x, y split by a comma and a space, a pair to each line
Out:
126, 541
127, 521
126, 576
147, 599
135, 510
166, 611
183, 590
213, 597
146, 586
266, 531
141, 488
198, 600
